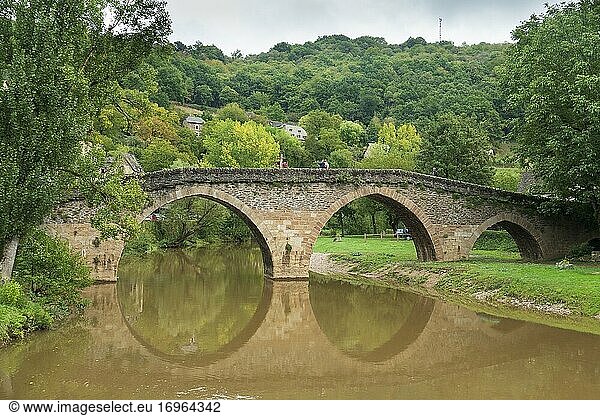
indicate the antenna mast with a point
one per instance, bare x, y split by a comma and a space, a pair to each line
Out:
441, 29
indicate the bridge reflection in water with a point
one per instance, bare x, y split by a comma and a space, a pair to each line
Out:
196, 327
194, 313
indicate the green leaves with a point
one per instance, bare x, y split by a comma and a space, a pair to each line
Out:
50, 274
59, 63
396, 148
551, 77
456, 148
230, 143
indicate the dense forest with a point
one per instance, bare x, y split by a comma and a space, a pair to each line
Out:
438, 100
356, 78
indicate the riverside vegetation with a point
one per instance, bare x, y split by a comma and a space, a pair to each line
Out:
45, 287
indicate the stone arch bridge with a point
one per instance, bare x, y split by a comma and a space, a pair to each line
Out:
287, 209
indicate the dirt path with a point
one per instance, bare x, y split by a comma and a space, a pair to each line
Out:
322, 264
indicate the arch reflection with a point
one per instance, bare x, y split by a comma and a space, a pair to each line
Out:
194, 308
368, 323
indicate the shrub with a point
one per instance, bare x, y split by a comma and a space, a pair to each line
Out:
37, 317
18, 314
582, 250
144, 242
51, 274
15, 322
507, 179
12, 323
11, 294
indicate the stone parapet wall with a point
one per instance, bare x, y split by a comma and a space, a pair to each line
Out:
172, 177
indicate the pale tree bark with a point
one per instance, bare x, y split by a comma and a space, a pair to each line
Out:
8, 259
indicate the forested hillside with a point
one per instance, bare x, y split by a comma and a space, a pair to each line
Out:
356, 78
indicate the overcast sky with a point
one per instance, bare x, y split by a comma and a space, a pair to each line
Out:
254, 26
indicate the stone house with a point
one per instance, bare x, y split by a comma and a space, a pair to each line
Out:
194, 123
293, 129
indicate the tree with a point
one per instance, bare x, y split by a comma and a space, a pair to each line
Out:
228, 95
258, 100
203, 95
317, 120
230, 143
373, 128
160, 154
174, 84
291, 148
321, 146
186, 219
341, 158
232, 112
551, 78
323, 131
273, 112
59, 61
353, 134
456, 148
395, 148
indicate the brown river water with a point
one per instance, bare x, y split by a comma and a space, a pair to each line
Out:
206, 324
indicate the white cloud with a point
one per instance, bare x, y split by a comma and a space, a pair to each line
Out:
255, 26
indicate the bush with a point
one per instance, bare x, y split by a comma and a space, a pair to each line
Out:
12, 323
18, 314
142, 243
37, 316
507, 179
51, 275
11, 294
582, 250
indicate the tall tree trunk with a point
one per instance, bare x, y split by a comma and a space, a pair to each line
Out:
373, 223
8, 259
596, 208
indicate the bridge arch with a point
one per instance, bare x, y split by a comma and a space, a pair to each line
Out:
427, 244
527, 237
248, 215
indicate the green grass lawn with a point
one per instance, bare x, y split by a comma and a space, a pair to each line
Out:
578, 288
501, 273
400, 249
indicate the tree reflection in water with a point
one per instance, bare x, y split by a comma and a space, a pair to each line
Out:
194, 306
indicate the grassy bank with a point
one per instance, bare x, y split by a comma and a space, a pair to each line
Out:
488, 277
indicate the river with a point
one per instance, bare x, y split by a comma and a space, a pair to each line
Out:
206, 324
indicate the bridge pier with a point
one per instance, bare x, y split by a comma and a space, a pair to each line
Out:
102, 257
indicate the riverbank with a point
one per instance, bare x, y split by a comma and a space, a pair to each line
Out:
492, 282
45, 288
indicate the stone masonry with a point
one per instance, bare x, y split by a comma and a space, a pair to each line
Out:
287, 209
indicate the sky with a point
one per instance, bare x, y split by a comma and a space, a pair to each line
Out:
254, 26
